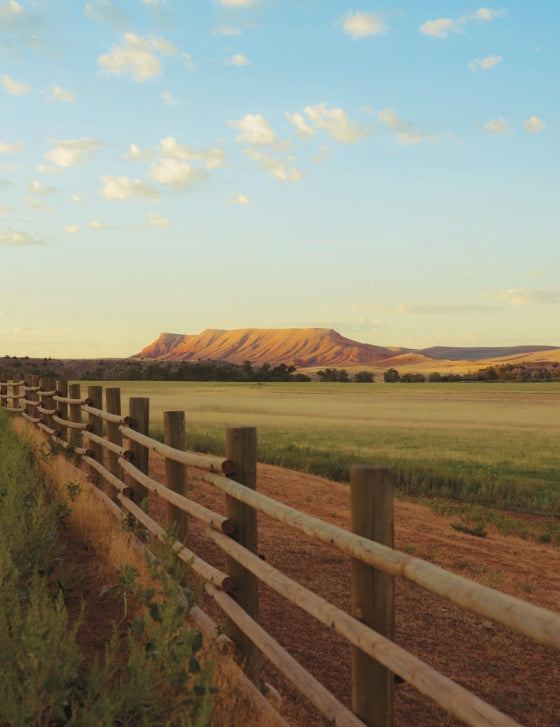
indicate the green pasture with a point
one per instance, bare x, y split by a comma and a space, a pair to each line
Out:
489, 444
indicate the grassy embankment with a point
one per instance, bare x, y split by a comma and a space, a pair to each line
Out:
478, 449
46, 679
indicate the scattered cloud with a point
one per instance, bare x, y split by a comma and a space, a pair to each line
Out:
136, 58
163, 46
277, 168
69, 152
211, 158
10, 148
72, 229
520, 296
442, 27
77, 199
497, 126
17, 238
238, 59
10, 10
155, 220
138, 155
168, 99
60, 94
35, 187
176, 173
303, 130
534, 125
405, 133
534, 273
485, 63
188, 63
15, 88
97, 226
255, 130
360, 25
238, 3
336, 123
36, 204
125, 189
6, 210
240, 199
105, 12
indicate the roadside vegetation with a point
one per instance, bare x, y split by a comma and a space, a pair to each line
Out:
151, 673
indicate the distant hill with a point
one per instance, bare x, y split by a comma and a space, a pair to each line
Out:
322, 347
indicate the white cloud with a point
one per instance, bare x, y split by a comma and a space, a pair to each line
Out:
211, 158
176, 173
534, 273
6, 210
17, 238
10, 148
534, 125
155, 220
168, 99
240, 199
10, 10
69, 152
405, 133
124, 188
13, 87
72, 229
138, 155
238, 59
255, 130
60, 94
97, 226
520, 296
238, 3
77, 199
35, 187
188, 63
488, 14
163, 46
441, 27
359, 25
304, 131
497, 126
275, 167
336, 123
36, 204
485, 63
134, 58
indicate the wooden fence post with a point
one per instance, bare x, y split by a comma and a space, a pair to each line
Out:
27, 394
113, 403
95, 425
139, 412
34, 396
371, 492
15, 400
3, 390
47, 402
62, 389
241, 449
174, 435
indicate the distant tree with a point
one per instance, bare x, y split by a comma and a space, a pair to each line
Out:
391, 376
434, 376
331, 375
413, 378
364, 377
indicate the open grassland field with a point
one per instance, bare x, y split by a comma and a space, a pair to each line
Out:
487, 444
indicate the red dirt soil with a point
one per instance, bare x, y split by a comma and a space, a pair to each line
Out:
511, 672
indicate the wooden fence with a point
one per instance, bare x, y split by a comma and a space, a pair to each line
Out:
81, 424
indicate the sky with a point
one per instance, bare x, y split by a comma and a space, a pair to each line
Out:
389, 170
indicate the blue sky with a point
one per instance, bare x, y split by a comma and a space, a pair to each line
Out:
390, 170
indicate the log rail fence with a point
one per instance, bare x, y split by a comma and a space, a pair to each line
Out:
81, 425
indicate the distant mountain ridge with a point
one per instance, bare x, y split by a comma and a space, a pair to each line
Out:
313, 347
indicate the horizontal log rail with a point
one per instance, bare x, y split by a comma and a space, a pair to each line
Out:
525, 618
452, 697
202, 461
216, 521
126, 472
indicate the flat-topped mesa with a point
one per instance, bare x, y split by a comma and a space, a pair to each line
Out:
292, 346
